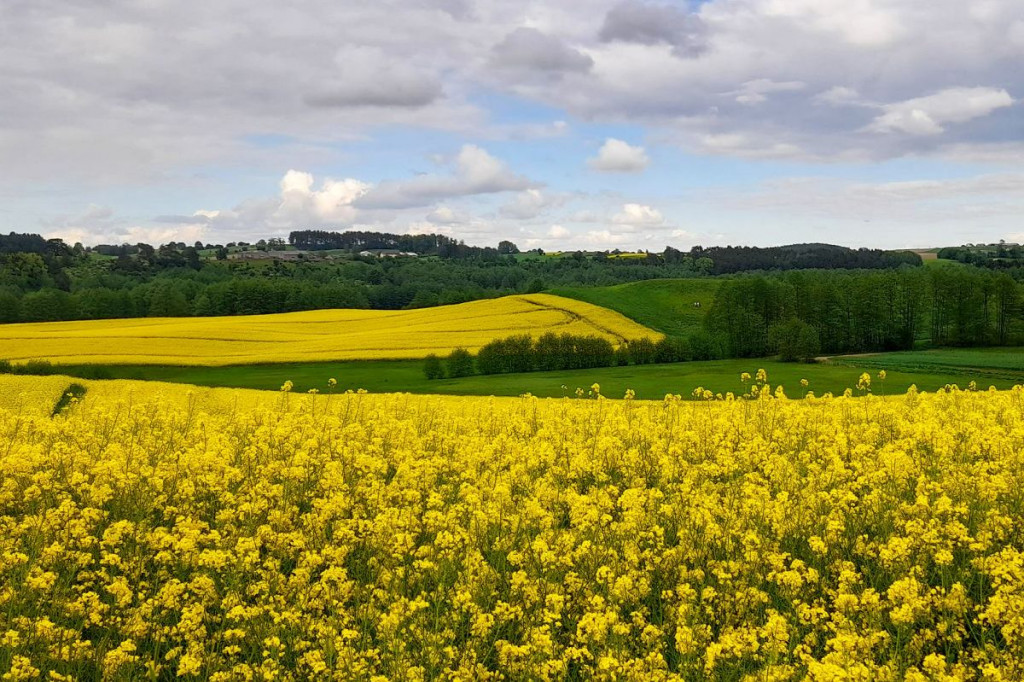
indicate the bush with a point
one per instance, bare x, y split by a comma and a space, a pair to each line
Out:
672, 349
460, 363
74, 392
706, 346
507, 356
37, 368
432, 367
550, 352
590, 351
794, 340
642, 351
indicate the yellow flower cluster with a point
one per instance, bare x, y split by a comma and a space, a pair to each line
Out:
312, 335
153, 531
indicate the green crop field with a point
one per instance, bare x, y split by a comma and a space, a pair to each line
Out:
666, 305
978, 363
648, 381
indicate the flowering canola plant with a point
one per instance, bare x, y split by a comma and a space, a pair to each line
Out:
312, 335
160, 531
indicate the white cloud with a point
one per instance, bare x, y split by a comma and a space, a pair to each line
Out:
637, 216
862, 23
927, 115
531, 50
838, 95
530, 203
756, 91
475, 172
445, 215
605, 239
558, 232
617, 156
100, 225
104, 100
332, 203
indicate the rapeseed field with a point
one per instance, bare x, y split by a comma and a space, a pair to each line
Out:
156, 531
311, 336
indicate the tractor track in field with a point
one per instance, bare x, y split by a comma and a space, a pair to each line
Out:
574, 316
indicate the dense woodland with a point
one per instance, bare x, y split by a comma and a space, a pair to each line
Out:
728, 260
860, 311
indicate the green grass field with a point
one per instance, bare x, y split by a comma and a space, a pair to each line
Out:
665, 305
980, 363
649, 381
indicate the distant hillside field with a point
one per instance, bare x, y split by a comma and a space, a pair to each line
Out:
665, 305
312, 335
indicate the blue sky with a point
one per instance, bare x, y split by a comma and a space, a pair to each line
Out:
593, 124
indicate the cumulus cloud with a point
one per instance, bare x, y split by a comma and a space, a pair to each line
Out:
605, 239
529, 49
617, 156
639, 22
332, 203
928, 115
863, 23
99, 224
445, 215
475, 172
530, 203
104, 100
300, 204
636, 216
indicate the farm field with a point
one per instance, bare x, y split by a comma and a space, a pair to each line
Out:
996, 363
665, 305
159, 530
310, 335
648, 381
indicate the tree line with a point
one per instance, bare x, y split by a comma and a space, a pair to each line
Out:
53, 282
555, 352
810, 312
733, 259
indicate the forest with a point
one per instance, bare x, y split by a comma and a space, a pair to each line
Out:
47, 280
811, 312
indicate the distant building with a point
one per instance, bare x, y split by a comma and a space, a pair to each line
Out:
273, 255
387, 253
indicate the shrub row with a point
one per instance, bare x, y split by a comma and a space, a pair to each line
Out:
553, 352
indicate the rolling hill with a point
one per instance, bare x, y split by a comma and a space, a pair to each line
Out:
310, 336
665, 305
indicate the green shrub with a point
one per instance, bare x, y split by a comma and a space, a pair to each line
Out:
432, 368
460, 363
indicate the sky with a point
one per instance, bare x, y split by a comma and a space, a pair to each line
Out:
590, 124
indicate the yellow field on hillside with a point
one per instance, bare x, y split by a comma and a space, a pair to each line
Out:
162, 531
311, 335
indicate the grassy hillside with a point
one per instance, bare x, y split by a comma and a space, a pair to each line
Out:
649, 381
665, 305
310, 336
